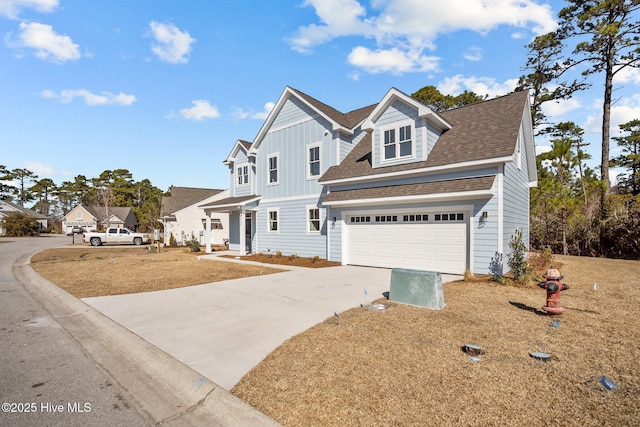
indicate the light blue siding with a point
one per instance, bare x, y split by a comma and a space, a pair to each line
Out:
237, 190
398, 112
291, 141
292, 236
516, 197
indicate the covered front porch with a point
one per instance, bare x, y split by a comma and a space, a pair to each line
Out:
242, 226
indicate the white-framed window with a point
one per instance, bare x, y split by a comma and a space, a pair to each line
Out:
272, 166
79, 216
397, 142
243, 174
313, 219
313, 161
273, 221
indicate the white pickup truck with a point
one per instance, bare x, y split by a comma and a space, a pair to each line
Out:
116, 236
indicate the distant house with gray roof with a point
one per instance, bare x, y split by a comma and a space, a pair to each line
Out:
92, 218
393, 184
6, 208
182, 217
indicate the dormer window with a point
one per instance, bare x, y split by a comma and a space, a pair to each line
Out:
397, 142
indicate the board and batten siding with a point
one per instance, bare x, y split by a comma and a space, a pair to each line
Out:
516, 196
398, 112
293, 236
236, 190
293, 132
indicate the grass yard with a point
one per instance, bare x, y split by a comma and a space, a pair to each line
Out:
404, 366
88, 272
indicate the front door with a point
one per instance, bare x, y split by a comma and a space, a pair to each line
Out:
247, 228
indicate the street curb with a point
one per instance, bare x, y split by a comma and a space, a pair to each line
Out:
162, 388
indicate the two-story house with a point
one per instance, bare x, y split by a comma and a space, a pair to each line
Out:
393, 184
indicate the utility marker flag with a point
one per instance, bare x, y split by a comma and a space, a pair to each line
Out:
365, 292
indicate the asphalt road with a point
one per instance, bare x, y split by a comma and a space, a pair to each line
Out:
45, 378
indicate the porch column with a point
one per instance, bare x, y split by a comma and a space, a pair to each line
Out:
243, 231
207, 232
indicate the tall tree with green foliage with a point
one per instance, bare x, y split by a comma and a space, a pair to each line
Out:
431, 96
43, 190
630, 157
607, 41
22, 191
6, 190
545, 69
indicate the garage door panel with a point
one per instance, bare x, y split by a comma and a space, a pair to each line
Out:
425, 246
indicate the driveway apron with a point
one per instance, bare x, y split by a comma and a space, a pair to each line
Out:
224, 329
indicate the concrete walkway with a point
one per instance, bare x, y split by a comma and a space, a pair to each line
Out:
223, 329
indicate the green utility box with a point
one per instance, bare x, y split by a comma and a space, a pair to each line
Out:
417, 287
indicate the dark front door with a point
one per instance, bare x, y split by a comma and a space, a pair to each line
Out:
247, 227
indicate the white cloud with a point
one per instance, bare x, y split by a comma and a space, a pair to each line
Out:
622, 112
241, 114
43, 170
474, 53
201, 110
480, 85
628, 75
105, 98
48, 45
559, 108
394, 61
409, 27
542, 149
171, 44
11, 8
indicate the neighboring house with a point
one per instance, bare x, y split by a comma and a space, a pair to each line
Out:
393, 184
181, 216
7, 207
94, 217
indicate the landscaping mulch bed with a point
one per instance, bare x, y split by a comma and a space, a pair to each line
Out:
404, 366
292, 260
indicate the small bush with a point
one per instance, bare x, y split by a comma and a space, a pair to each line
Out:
194, 244
499, 279
517, 258
315, 259
293, 256
172, 240
278, 254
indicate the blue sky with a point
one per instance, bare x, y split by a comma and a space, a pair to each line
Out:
165, 88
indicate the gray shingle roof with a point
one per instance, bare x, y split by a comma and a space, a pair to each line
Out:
229, 201
483, 183
26, 211
181, 197
348, 120
481, 131
101, 214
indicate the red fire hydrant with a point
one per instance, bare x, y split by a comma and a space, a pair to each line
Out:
553, 285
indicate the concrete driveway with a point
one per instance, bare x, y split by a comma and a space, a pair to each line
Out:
223, 329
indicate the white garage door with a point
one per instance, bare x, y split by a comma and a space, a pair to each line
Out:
433, 241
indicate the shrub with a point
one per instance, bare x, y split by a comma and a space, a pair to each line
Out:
498, 278
194, 244
172, 240
293, 256
18, 224
278, 253
517, 258
316, 258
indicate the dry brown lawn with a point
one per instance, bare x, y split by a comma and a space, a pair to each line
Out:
404, 366
88, 272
